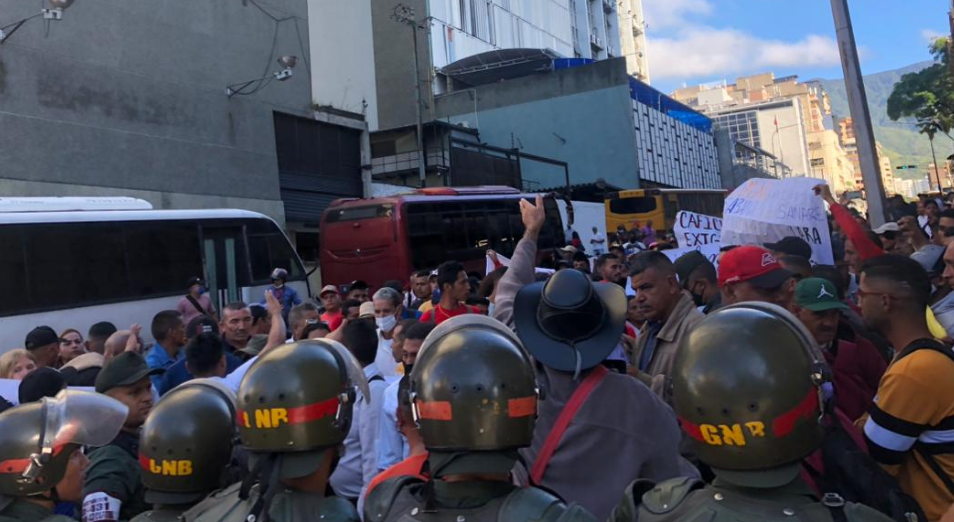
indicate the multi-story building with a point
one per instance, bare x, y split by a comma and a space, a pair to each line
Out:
849, 143
632, 34
593, 119
378, 76
791, 120
129, 99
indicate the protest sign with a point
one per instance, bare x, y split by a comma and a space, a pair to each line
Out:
505, 261
695, 230
767, 210
711, 251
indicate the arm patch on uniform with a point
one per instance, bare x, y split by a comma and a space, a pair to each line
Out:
100, 507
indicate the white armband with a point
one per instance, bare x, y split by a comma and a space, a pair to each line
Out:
100, 507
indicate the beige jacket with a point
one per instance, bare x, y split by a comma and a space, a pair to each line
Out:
683, 319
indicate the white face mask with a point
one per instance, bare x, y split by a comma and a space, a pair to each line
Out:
386, 324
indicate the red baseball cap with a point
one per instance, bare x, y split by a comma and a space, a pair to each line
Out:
753, 264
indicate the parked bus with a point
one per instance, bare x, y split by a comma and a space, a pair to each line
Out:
69, 268
379, 239
627, 207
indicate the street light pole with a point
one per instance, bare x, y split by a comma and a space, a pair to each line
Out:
860, 116
405, 15
937, 173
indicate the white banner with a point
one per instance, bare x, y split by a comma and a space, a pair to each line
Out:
505, 261
711, 251
696, 230
766, 210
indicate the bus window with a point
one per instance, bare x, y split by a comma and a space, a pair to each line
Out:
13, 274
269, 249
162, 256
359, 213
82, 263
633, 205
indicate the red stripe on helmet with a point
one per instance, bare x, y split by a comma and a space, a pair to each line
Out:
808, 408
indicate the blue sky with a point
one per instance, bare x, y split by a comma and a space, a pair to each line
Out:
700, 41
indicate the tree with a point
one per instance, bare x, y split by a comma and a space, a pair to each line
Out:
928, 95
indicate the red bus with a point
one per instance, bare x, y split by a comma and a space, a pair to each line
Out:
386, 238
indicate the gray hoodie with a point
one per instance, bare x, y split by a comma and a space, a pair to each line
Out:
622, 432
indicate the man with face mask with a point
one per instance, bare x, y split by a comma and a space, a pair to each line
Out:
387, 310
286, 295
698, 277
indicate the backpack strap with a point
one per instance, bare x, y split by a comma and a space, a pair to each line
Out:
836, 506
926, 344
196, 305
563, 422
931, 344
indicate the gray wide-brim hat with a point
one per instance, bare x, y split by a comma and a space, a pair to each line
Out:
569, 323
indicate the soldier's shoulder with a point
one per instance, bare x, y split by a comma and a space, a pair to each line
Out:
665, 496
379, 502
861, 513
536, 504
221, 505
158, 515
336, 509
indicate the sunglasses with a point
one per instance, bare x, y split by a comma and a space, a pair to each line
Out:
948, 231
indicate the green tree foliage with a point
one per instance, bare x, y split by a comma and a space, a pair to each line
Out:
928, 95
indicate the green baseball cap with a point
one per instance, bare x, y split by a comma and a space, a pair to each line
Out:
818, 295
125, 369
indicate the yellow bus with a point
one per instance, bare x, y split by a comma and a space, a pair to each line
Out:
659, 205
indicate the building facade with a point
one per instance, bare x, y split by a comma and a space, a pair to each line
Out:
791, 120
632, 34
378, 76
129, 99
606, 126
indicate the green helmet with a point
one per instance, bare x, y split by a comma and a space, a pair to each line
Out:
747, 387
186, 443
297, 399
38, 438
473, 387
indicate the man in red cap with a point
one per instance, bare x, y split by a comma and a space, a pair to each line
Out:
331, 301
751, 273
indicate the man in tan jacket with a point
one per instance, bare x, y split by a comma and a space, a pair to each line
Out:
670, 313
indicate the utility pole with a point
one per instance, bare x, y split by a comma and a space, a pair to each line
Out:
405, 15
860, 116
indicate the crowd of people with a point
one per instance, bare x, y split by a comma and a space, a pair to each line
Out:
622, 387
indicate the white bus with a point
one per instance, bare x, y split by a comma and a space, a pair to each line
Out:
69, 268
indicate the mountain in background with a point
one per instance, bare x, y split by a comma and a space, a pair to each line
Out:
902, 143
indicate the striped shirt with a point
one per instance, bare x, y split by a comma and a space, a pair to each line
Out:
914, 412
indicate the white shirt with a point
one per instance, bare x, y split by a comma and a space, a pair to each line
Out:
384, 359
392, 446
359, 464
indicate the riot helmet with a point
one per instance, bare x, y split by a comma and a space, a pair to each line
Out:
473, 388
186, 443
748, 388
38, 438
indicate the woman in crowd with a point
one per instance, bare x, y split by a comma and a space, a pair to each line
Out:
71, 345
15, 364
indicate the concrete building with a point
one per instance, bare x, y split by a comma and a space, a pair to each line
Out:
849, 143
378, 77
632, 33
791, 120
128, 98
602, 123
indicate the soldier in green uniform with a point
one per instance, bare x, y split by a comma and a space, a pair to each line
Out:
113, 487
749, 390
294, 411
474, 396
186, 447
41, 457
